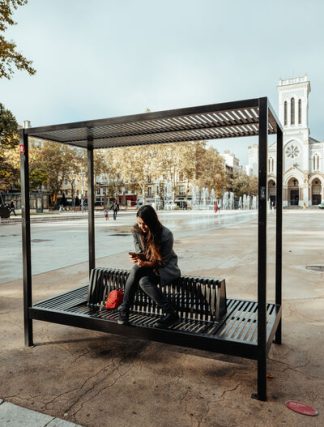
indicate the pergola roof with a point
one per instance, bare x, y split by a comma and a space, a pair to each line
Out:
215, 121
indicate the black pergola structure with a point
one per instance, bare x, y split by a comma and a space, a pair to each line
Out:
253, 117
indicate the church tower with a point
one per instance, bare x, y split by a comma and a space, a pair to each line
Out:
293, 103
293, 114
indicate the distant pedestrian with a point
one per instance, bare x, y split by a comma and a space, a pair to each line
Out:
106, 214
77, 203
84, 204
115, 208
12, 207
216, 206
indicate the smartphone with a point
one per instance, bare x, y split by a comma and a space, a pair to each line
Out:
137, 255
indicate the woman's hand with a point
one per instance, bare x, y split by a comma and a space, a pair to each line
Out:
138, 260
133, 258
141, 263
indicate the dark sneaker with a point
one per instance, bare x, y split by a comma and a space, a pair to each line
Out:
167, 320
123, 317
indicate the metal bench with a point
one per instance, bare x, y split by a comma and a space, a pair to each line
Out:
196, 299
208, 320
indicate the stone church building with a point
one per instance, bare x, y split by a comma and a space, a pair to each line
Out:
303, 179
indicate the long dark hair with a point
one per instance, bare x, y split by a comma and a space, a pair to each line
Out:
151, 239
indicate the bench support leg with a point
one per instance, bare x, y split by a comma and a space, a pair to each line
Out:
262, 379
277, 339
29, 333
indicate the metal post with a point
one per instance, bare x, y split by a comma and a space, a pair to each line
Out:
279, 229
91, 223
262, 248
26, 243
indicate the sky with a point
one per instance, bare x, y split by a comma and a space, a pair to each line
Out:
105, 58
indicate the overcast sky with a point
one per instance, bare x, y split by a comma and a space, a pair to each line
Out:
104, 58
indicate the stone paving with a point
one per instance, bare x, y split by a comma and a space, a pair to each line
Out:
95, 379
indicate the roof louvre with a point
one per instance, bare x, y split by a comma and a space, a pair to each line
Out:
214, 121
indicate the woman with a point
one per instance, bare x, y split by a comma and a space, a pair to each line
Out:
154, 262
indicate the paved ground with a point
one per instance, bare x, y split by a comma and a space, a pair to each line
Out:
65, 237
95, 379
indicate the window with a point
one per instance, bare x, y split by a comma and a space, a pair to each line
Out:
285, 113
182, 190
271, 165
292, 111
292, 151
299, 111
315, 162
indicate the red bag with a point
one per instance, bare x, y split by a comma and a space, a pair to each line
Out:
114, 299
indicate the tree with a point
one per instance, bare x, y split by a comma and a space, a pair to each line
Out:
209, 168
137, 166
244, 184
8, 128
9, 138
9, 57
59, 162
131, 166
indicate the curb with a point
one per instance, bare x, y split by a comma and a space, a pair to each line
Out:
12, 416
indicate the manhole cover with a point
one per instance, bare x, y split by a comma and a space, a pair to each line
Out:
315, 267
40, 240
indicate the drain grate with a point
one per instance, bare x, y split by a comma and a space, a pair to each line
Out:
315, 267
120, 234
40, 240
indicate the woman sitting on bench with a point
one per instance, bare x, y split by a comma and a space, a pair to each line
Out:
154, 262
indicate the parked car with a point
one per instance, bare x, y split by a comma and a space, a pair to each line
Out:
321, 205
67, 204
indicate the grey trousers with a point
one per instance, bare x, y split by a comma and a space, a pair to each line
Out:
147, 280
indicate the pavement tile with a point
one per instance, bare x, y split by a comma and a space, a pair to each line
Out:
14, 416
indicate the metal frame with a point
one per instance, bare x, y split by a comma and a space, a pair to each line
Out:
242, 118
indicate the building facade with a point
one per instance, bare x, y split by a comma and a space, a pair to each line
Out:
303, 177
253, 153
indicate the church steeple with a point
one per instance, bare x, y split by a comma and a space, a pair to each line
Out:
293, 102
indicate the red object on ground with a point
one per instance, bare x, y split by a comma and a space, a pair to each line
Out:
302, 408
